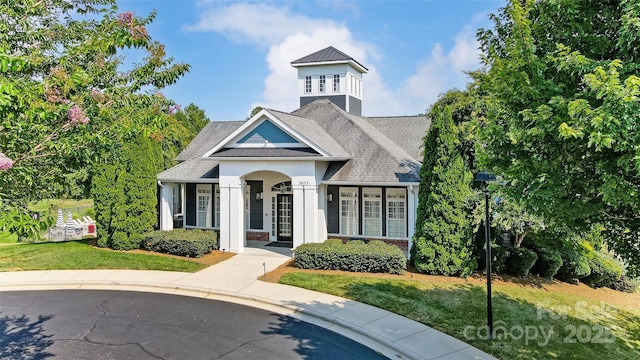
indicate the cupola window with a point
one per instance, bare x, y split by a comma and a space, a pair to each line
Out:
307, 84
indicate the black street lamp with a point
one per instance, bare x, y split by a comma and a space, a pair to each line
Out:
485, 177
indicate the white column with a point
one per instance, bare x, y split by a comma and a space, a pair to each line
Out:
412, 208
232, 233
299, 215
166, 206
321, 224
311, 209
305, 210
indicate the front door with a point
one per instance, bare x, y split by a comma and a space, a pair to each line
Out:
285, 217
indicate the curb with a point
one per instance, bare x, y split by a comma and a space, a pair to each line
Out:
384, 346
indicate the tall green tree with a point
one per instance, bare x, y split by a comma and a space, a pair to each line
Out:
65, 99
193, 118
124, 193
560, 98
254, 111
443, 242
181, 127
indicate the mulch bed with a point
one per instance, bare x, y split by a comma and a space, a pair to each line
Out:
211, 258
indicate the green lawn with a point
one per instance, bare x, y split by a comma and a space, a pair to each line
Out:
77, 207
8, 238
80, 255
577, 327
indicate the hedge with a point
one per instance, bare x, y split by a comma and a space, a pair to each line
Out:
353, 256
604, 270
499, 254
520, 261
548, 264
498, 258
181, 242
625, 284
574, 265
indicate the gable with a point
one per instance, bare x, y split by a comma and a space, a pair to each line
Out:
267, 132
213, 133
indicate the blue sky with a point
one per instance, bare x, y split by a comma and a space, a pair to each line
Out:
240, 51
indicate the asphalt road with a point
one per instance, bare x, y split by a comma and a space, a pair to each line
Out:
85, 324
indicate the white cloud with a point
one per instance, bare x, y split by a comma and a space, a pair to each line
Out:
281, 82
254, 22
289, 36
442, 71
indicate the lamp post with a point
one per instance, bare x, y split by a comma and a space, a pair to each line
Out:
485, 177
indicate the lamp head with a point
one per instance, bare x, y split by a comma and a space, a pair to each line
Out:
485, 176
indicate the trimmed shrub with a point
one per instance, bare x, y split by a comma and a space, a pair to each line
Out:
181, 242
574, 266
520, 261
548, 264
353, 256
377, 243
605, 270
333, 242
499, 254
625, 284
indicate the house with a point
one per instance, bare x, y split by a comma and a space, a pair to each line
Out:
321, 171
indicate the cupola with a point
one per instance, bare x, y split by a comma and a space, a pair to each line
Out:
332, 75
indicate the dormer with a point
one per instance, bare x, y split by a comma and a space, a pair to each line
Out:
333, 75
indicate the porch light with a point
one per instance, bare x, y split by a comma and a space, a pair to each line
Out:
485, 177
259, 195
330, 197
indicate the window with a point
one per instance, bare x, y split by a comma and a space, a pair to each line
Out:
307, 84
217, 209
177, 199
323, 83
349, 211
336, 83
203, 213
283, 187
372, 212
396, 213
353, 84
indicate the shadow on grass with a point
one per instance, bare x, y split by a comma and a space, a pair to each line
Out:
524, 327
21, 338
528, 323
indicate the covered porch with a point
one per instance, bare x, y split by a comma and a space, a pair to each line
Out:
250, 200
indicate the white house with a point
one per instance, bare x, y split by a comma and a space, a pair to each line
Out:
321, 171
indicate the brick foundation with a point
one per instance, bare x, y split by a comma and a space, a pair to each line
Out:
257, 235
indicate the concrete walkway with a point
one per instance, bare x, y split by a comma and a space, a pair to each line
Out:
235, 280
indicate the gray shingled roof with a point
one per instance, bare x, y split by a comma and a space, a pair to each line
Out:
207, 138
327, 54
376, 150
375, 157
194, 169
313, 132
406, 131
